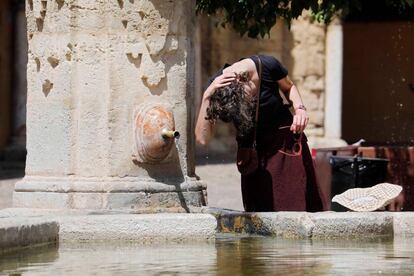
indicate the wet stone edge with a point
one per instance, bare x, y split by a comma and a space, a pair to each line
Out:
324, 225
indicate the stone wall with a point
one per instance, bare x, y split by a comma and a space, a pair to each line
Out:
308, 70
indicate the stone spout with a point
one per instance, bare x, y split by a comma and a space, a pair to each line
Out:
151, 120
165, 133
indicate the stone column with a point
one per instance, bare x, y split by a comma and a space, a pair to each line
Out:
101, 74
333, 101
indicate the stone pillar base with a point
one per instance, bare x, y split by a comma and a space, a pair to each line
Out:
128, 193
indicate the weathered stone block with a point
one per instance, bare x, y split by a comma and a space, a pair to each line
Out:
316, 117
312, 62
303, 225
87, 200
155, 202
41, 200
288, 224
352, 225
22, 227
403, 224
314, 131
20, 232
312, 100
314, 83
281, 224
138, 227
48, 132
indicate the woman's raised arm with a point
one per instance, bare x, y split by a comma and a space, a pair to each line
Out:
204, 128
300, 118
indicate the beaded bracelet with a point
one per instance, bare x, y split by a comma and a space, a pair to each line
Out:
301, 106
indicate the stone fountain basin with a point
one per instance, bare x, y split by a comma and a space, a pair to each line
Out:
24, 227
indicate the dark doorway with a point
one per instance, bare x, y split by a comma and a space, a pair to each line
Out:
378, 81
13, 88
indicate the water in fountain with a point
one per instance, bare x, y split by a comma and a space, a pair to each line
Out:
228, 255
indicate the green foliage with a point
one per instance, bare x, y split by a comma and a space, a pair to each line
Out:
256, 17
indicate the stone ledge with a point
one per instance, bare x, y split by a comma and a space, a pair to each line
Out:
404, 224
143, 227
111, 225
21, 232
324, 225
352, 225
24, 227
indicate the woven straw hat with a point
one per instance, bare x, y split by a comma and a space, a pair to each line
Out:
368, 199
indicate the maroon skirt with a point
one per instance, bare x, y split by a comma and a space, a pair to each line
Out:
283, 182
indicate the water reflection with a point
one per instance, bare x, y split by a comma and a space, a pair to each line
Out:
120, 258
28, 258
229, 255
266, 256
325, 257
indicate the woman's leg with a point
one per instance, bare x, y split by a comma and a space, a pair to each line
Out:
257, 191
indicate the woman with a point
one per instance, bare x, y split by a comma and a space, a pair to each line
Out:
285, 179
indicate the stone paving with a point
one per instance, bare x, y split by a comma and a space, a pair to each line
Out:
223, 185
6, 192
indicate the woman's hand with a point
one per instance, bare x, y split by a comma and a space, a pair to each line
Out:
300, 121
221, 81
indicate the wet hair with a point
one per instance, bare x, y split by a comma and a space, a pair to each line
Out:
232, 104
